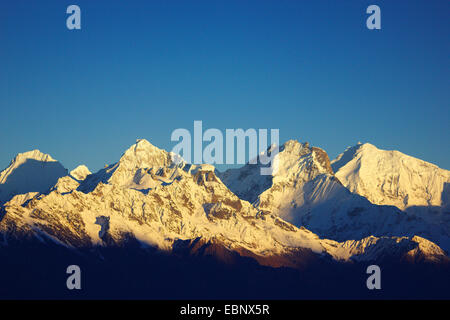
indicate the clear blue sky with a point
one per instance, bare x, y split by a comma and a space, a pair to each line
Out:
140, 69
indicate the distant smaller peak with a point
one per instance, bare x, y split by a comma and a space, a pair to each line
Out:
80, 172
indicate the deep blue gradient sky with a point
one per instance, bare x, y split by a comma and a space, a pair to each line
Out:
140, 69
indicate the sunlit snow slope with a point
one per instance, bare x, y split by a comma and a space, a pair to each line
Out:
393, 178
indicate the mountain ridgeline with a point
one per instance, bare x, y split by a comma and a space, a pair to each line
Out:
149, 227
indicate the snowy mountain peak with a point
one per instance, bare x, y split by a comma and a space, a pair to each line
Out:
144, 154
72, 181
297, 159
295, 164
34, 154
80, 173
389, 177
31, 171
21, 158
293, 145
346, 156
141, 166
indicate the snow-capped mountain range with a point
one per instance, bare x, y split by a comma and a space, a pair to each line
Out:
303, 207
304, 191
